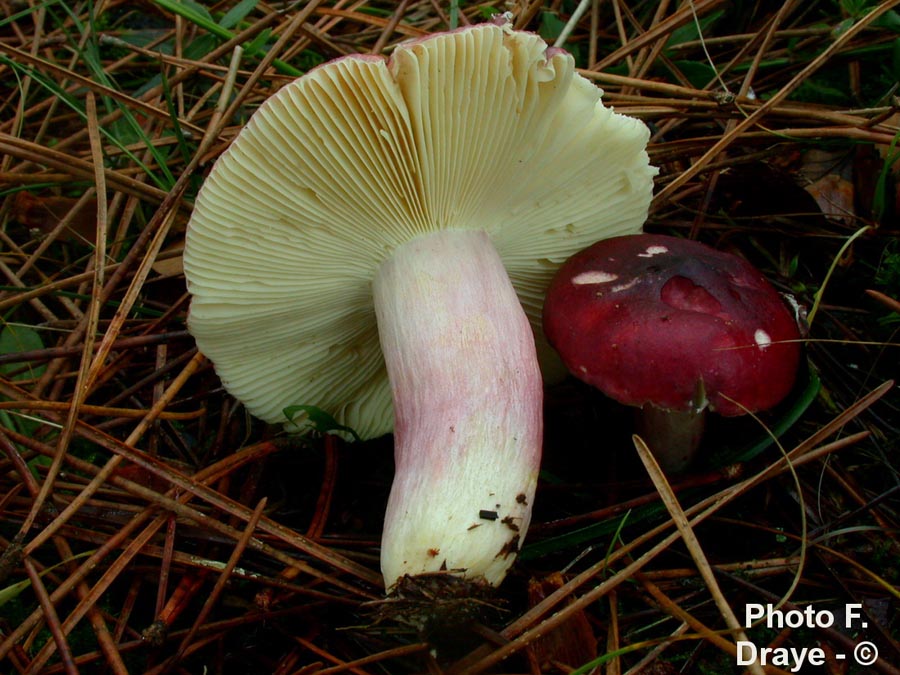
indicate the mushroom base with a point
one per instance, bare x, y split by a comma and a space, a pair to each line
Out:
437, 606
467, 392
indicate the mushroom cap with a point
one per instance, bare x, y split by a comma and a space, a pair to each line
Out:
479, 128
657, 319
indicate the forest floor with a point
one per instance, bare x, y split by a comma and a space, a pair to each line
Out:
149, 525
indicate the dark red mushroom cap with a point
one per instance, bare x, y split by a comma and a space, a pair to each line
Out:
650, 318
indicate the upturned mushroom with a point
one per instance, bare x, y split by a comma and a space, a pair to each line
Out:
675, 328
367, 243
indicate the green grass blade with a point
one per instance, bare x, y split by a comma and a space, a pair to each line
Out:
75, 106
189, 12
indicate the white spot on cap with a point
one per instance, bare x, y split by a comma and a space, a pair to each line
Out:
652, 251
594, 278
762, 338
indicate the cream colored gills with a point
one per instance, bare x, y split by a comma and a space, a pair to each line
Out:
481, 129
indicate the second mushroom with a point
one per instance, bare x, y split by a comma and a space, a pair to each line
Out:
367, 244
675, 328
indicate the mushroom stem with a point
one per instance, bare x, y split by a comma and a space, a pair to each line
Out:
673, 436
467, 394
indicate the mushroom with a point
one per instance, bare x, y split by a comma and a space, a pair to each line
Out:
673, 327
366, 246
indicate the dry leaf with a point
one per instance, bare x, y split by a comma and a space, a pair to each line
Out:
573, 642
45, 213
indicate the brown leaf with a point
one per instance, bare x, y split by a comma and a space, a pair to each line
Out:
834, 195
45, 213
573, 642
829, 179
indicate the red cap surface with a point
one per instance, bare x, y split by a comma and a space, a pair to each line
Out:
650, 318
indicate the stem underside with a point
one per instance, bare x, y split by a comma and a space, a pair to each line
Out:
673, 436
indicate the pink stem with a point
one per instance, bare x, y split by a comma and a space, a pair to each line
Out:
467, 394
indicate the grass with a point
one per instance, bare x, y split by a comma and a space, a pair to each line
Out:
149, 526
